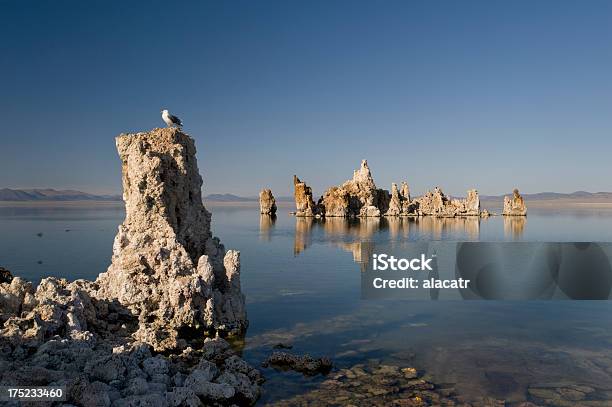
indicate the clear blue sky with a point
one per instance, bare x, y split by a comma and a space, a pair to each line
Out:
461, 94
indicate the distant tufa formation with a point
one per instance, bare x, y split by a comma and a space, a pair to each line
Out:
514, 206
267, 203
359, 197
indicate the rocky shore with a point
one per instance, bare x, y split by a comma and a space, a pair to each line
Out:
148, 331
360, 197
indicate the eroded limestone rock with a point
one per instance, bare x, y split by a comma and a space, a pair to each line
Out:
514, 206
435, 203
395, 204
304, 204
267, 203
335, 202
356, 197
169, 282
167, 268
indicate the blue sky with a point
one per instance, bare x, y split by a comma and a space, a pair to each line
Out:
461, 94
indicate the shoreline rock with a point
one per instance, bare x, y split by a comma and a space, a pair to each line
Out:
128, 338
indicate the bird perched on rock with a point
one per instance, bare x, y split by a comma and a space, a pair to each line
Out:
171, 120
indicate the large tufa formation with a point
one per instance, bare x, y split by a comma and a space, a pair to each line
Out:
304, 203
135, 336
267, 203
167, 268
435, 203
363, 194
359, 197
356, 197
514, 206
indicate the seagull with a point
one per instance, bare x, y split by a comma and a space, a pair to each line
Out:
170, 119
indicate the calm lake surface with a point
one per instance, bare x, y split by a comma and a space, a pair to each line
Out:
302, 282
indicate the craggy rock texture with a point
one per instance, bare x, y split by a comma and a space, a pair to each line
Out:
395, 205
514, 206
167, 268
381, 385
5, 275
363, 194
336, 203
170, 282
303, 364
67, 337
267, 203
435, 203
304, 203
359, 197
356, 197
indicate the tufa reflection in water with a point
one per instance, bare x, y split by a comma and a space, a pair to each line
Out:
351, 234
514, 227
266, 225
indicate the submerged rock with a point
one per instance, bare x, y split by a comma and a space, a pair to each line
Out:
5, 275
303, 364
167, 268
514, 206
267, 203
379, 385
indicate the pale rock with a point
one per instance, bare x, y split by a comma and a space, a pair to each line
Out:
169, 278
514, 206
362, 192
395, 205
435, 203
267, 203
304, 204
167, 268
335, 203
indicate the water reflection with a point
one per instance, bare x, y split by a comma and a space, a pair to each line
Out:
266, 225
352, 234
514, 227
302, 239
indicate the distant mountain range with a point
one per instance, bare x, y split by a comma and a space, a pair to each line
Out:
48, 194
236, 198
550, 196
20, 195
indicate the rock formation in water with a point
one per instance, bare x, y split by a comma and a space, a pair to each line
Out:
336, 203
304, 204
514, 206
395, 204
363, 194
267, 203
170, 282
167, 268
356, 197
435, 203
359, 197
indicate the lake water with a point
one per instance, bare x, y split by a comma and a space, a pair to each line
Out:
301, 278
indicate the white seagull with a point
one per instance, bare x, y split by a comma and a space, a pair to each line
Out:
170, 119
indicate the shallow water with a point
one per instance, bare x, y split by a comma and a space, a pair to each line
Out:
302, 282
